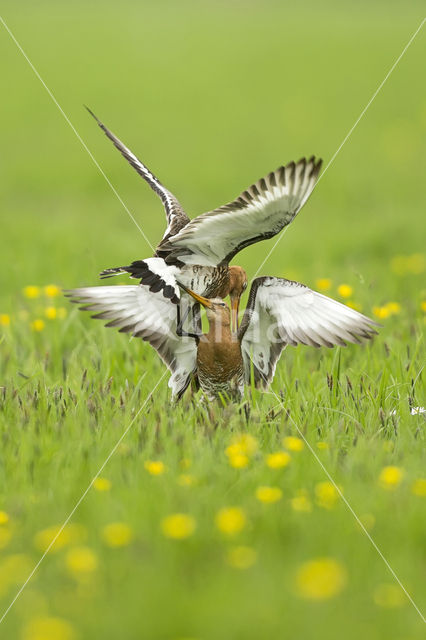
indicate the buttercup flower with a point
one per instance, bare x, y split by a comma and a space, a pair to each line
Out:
241, 557
37, 325
178, 526
278, 460
71, 533
48, 628
293, 444
155, 467
390, 477
4, 517
51, 313
238, 460
230, 520
81, 561
269, 495
101, 484
117, 534
31, 291
320, 579
243, 443
326, 495
323, 284
52, 290
4, 319
345, 290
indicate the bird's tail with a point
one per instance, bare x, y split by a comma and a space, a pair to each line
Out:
153, 273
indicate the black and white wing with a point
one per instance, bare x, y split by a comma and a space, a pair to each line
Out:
260, 212
281, 312
134, 309
176, 216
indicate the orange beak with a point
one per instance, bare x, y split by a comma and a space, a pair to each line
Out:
235, 305
204, 301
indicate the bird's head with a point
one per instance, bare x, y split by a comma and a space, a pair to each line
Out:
237, 286
216, 310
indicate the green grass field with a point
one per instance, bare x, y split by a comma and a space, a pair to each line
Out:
211, 96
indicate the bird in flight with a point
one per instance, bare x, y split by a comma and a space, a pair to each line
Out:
198, 252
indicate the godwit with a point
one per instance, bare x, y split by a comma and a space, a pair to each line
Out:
197, 252
279, 312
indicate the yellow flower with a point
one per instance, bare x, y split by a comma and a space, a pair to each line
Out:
389, 596
51, 313
238, 460
326, 494
101, 484
320, 579
62, 312
381, 312
52, 290
178, 526
155, 467
48, 628
278, 460
81, 561
230, 520
117, 534
293, 444
323, 284
71, 533
31, 291
269, 495
419, 487
390, 477
241, 557
322, 445
301, 502
4, 319
393, 308
4, 517
186, 480
423, 305
242, 443
37, 325
5, 537
345, 290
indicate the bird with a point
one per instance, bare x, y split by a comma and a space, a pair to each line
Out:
197, 252
222, 362
279, 312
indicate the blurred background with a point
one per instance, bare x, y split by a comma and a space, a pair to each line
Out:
211, 96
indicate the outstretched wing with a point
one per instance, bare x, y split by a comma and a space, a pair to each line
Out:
282, 312
135, 310
176, 216
258, 213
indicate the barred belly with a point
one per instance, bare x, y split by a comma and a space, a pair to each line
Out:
211, 282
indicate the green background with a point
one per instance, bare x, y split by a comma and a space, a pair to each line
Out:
212, 96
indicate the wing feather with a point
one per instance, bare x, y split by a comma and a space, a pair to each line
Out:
176, 216
282, 312
260, 212
136, 310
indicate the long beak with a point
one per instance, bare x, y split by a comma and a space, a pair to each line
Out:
204, 301
235, 305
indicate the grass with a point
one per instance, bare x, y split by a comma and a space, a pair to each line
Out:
212, 97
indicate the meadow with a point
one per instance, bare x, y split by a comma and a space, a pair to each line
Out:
262, 521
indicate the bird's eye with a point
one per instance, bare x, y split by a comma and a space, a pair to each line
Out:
222, 304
